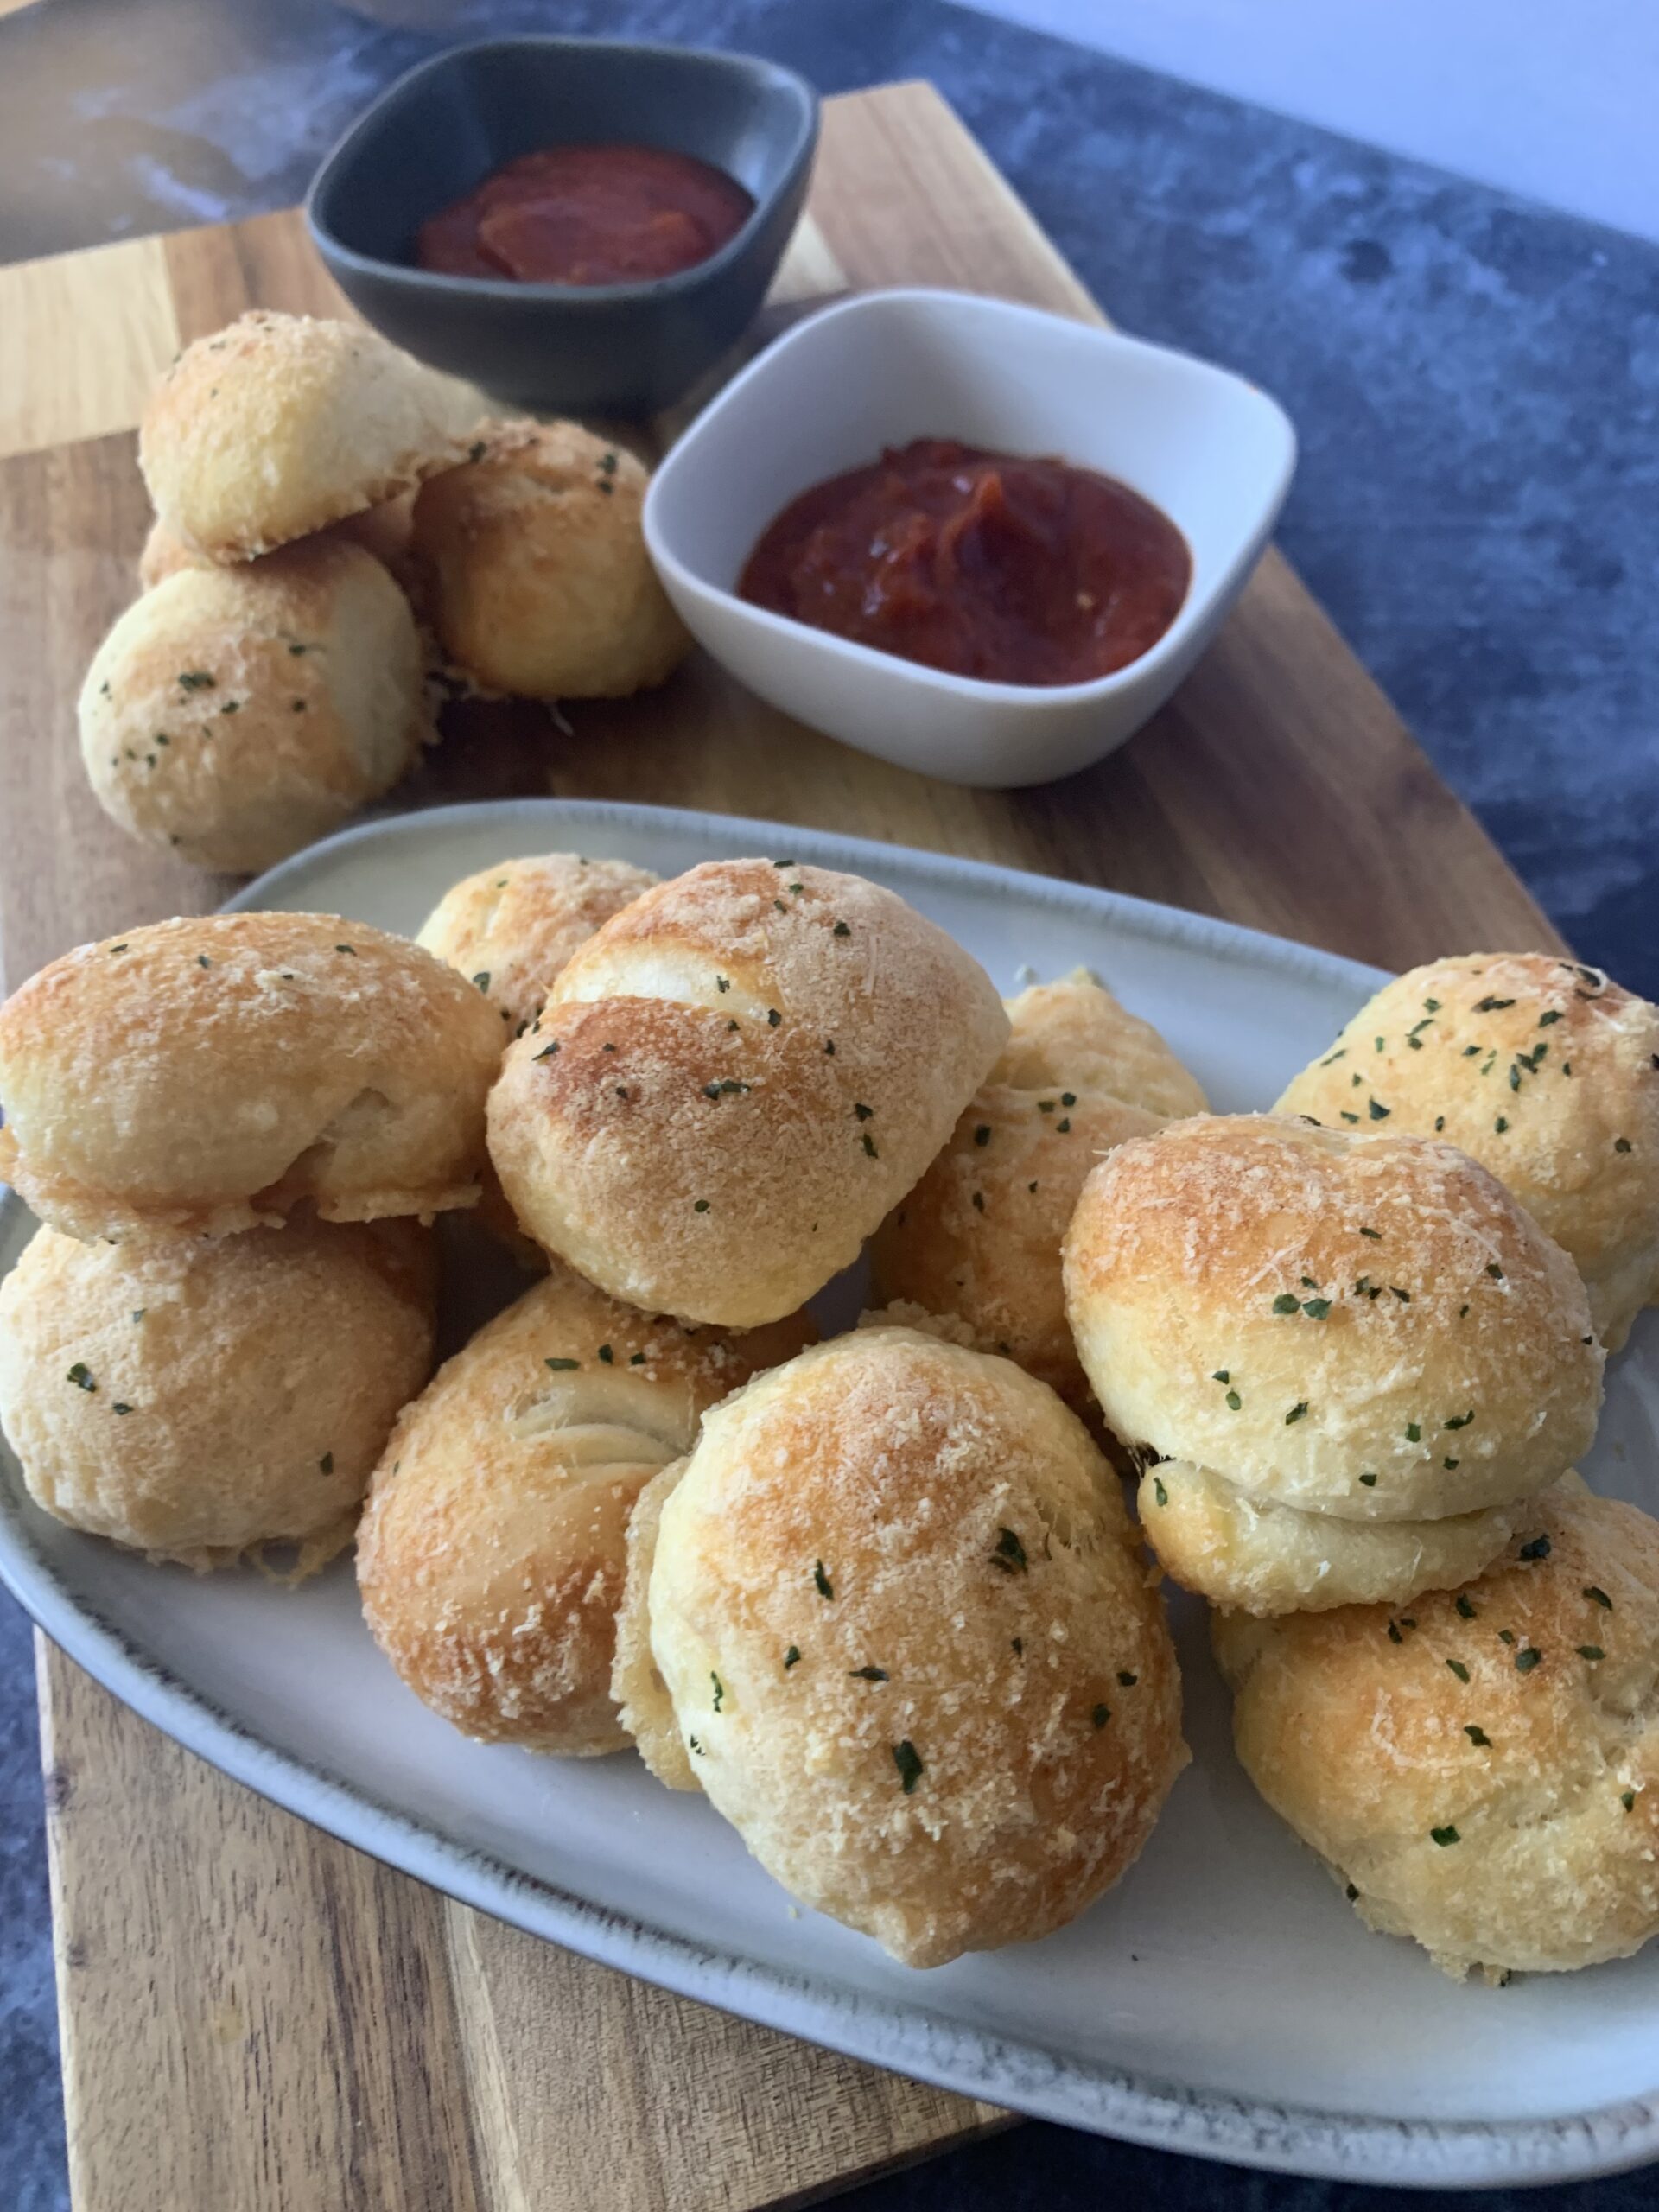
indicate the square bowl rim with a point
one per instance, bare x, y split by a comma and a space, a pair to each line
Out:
511, 290
803, 638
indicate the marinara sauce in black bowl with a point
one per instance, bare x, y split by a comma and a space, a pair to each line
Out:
636, 314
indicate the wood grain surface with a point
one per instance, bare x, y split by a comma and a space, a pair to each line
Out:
256, 2019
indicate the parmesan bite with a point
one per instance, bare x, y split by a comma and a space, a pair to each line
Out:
511, 928
1542, 1070
492, 1554
280, 424
732, 1081
233, 715
980, 1235
1352, 1356
202, 1399
533, 570
891, 1616
1481, 1775
211, 1074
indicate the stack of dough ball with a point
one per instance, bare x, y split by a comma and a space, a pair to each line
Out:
494, 1552
891, 1616
210, 1075
733, 1081
1484, 1776
234, 714
279, 425
533, 568
200, 1399
510, 929
980, 1235
1357, 1356
1541, 1070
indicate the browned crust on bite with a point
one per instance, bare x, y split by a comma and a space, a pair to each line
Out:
212, 1073
936, 1539
515, 924
1377, 1304
1368, 1733
533, 569
493, 1555
733, 1082
280, 424
980, 1235
1546, 1072
201, 1401
233, 715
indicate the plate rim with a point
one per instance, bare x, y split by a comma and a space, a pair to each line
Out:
1209, 933
910, 2039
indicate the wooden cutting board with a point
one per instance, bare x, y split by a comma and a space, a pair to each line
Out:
256, 2019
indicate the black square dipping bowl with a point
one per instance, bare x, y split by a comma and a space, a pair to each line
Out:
612, 349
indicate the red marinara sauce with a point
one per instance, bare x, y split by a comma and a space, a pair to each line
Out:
985, 564
588, 215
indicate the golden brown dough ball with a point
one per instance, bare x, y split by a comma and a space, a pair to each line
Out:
535, 573
732, 1083
511, 928
1363, 1328
280, 424
636, 1681
898, 1608
1482, 1775
211, 1074
493, 1554
980, 1235
198, 1399
1546, 1072
1076, 1026
235, 714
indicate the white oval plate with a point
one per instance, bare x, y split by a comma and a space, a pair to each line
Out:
1223, 1999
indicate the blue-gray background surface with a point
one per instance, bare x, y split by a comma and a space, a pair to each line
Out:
1476, 384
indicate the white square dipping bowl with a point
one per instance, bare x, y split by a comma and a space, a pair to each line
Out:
1211, 450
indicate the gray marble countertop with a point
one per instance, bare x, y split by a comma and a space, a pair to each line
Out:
1475, 382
